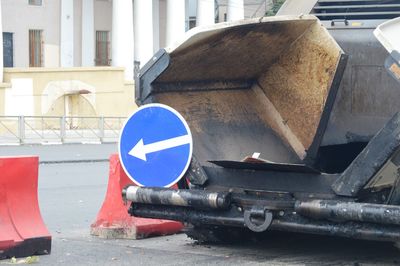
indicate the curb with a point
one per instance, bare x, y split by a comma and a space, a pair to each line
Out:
75, 161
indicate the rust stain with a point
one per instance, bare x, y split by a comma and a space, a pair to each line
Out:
298, 84
395, 69
293, 64
237, 53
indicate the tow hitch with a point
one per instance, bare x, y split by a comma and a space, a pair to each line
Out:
261, 213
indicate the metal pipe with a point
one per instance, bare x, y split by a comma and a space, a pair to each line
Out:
163, 196
288, 222
349, 211
225, 218
365, 231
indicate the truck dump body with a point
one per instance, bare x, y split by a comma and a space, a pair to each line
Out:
268, 86
256, 86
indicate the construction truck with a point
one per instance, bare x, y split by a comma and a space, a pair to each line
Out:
294, 123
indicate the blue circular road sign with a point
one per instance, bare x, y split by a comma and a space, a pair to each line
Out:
155, 146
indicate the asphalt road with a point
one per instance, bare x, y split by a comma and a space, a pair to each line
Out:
70, 194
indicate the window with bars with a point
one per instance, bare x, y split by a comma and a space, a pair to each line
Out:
103, 48
35, 48
35, 2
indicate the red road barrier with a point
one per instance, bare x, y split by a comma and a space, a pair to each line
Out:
22, 231
113, 220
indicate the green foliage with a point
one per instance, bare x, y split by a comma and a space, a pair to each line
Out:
27, 260
275, 7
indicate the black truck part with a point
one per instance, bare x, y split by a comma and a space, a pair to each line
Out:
195, 198
349, 211
268, 86
288, 222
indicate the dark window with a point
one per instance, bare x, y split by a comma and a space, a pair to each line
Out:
35, 48
103, 48
192, 22
8, 49
35, 2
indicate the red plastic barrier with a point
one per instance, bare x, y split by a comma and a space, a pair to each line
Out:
22, 231
113, 220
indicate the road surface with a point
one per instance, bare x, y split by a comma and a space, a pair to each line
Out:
72, 186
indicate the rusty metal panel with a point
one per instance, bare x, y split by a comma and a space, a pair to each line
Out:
228, 124
262, 85
241, 51
298, 84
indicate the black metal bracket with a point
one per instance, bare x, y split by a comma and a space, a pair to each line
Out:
312, 151
148, 73
195, 174
344, 21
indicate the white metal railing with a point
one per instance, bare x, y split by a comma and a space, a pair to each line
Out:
59, 129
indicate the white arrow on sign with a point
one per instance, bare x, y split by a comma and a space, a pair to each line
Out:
140, 150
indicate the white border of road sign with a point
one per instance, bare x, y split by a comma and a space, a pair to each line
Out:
187, 129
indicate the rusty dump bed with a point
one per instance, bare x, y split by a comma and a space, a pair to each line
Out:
262, 85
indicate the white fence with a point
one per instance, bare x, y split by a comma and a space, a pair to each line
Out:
59, 129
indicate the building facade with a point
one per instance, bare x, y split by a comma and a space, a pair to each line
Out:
75, 33
64, 56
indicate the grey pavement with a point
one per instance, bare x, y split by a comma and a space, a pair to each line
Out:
179, 250
71, 193
63, 152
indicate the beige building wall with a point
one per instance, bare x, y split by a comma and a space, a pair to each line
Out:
3, 88
163, 22
78, 33
53, 91
18, 17
95, 91
103, 15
